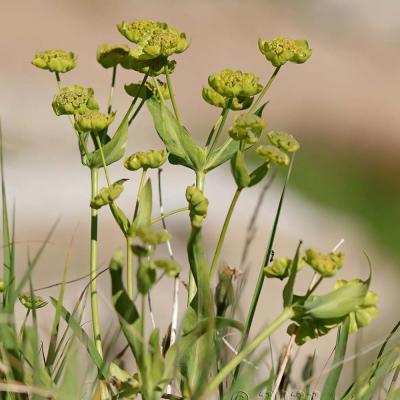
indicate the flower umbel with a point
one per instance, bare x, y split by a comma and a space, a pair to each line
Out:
108, 194
198, 205
74, 99
235, 103
325, 264
284, 140
274, 154
146, 160
247, 127
56, 60
93, 121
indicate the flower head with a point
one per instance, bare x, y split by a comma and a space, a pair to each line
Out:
108, 194
145, 160
281, 50
235, 103
325, 264
284, 140
139, 29
31, 302
198, 205
93, 121
272, 153
110, 55
229, 83
74, 99
247, 127
56, 60
153, 236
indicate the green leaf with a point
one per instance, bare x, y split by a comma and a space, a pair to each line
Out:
120, 218
288, 289
239, 170
258, 174
260, 110
114, 149
331, 382
144, 210
179, 143
221, 154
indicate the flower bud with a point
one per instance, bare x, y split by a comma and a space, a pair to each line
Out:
215, 99
148, 90
74, 99
31, 302
93, 121
145, 160
56, 60
152, 236
283, 140
110, 55
108, 194
247, 127
325, 264
168, 266
229, 83
198, 205
273, 154
224, 292
365, 312
281, 50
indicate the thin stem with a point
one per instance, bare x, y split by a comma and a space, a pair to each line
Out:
224, 114
163, 216
267, 256
211, 134
223, 233
103, 159
58, 79
172, 95
136, 111
243, 354
136, 97
264, 91
129, 267
93, 263
142, 319
111, 94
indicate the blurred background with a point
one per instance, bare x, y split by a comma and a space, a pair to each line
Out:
342, 105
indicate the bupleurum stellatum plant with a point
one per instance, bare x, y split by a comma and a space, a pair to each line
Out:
189, 360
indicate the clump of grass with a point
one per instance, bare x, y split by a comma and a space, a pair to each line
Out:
188, 361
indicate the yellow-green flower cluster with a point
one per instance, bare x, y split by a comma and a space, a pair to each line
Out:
31, 302
168, 266
108, 194
215, 99
198, 205
74, 99
366, 312
149, 235
281, 50
93, 121
110, 55
146, 160
247, 127
273, 154
56, 60
325, 264
284, 141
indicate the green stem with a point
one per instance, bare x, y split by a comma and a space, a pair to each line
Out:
246, 351
265, 89
169, 214
103, 159
260, 280
224, 114
142, 178
142, 319
110, 96
93, 263
223, 233
137, 111
172, 95
58, 79
129, 267
211, 134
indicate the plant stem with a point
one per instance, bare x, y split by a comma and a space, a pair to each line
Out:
223, 232
136, 97
142, 178
224, 114
93, 263
267, 255
211, 134
257, 341
172, 95
103, 159
129, 267
264, 91
168, 214
136, 111
110, 96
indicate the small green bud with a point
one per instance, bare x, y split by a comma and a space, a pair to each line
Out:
168, 266
281, 50
110, 55
283, 140
325, 264
215, 99
365, 312
93, 121
224, 292
146, 277
56, 60
147, 90
147, 159
247, 127
153, 67
198, 205
74, 99
108, 194
149, 235
272, 153
229, 83
31, 302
